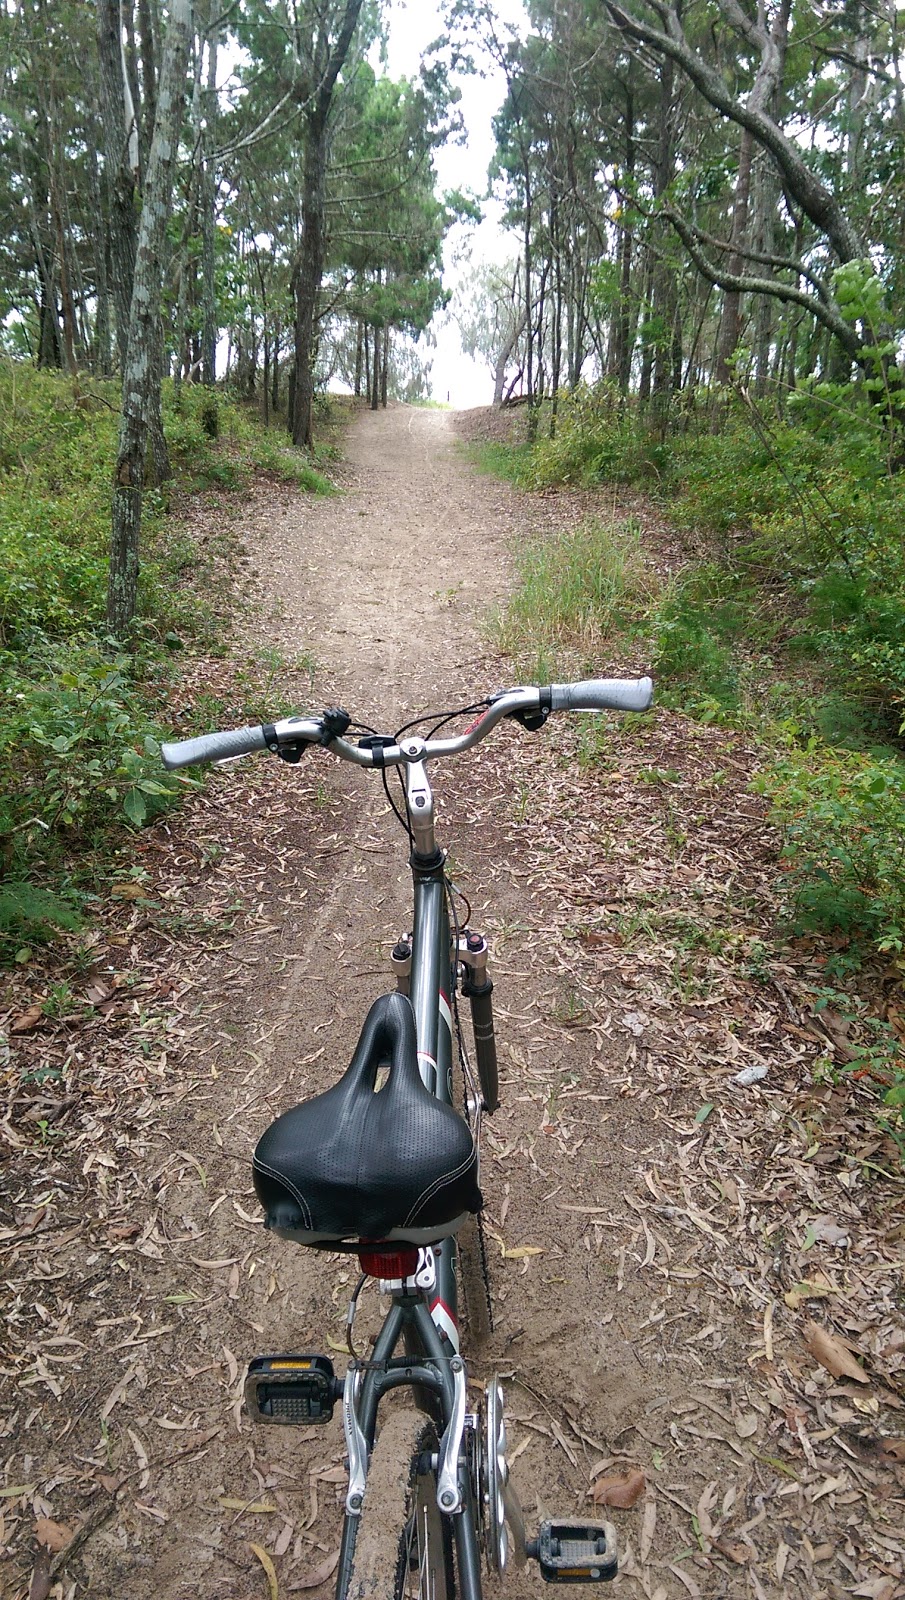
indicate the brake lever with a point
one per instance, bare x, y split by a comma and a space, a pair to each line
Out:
531, 720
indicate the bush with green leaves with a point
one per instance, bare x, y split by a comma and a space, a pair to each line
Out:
598, 437
81, 761
78, 730
842, 816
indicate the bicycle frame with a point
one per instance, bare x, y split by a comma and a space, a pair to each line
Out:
470, 1471
425, 1322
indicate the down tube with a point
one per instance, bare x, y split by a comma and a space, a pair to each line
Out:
430, 992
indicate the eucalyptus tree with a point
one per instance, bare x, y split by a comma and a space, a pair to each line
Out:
142, 364
386, 220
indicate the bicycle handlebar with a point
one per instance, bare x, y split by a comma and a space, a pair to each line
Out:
602, 694
596, 694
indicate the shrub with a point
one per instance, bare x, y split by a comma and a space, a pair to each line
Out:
842, 815
598, 437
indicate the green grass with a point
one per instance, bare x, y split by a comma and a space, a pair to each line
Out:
79, 724
579, 590
507, 461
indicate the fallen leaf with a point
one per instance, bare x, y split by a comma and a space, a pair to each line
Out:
734, 1549
253, 1507
747, 1426
893, 1449
832, 1354
52, 1535
99, 991
269, 1568
648, 1526
26, 1020
318, 1575
521, 1251
620, 1492
808, 1289
826, 1230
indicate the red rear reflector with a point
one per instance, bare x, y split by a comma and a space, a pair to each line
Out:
383, 1262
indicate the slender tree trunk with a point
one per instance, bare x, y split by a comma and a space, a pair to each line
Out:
730, 322
142, 353
622, 362
310, 270
101, 361
277, 340
326, 63
385, 367
664, 292
209, 219
120, 174
359, 359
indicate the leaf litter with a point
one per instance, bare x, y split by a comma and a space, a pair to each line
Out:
662, 1328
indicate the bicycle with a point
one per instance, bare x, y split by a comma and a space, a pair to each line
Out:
385, 1166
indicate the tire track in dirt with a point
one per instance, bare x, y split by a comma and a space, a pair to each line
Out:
603, 1336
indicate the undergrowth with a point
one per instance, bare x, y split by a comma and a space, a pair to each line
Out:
789, 623
80, 720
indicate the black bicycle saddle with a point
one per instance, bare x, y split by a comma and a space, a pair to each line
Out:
358, 1163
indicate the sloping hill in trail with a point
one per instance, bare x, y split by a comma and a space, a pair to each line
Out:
677, 1270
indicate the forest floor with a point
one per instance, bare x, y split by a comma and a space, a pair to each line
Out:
696, 1278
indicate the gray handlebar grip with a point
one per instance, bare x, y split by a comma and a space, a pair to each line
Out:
212, 747
602, 694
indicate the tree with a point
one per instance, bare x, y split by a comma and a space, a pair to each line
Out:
142, 365
322, 40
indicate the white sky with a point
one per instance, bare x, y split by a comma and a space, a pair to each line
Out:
414, 25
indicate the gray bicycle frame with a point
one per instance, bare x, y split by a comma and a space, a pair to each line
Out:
427, 1326
431, 1364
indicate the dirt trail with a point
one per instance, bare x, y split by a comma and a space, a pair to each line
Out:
650, 1330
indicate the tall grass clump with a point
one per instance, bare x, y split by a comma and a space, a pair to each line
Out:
578, 589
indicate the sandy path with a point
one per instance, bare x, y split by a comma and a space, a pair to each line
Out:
139, 1278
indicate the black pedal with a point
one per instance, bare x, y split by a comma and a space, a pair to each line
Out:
291, 1389
575, 1552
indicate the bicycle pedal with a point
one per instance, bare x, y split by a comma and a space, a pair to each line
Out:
575, 1552
291, 1389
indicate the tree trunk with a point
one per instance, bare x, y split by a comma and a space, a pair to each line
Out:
325, 64
730, 321
120, 174
208, 220
358, 357
310, 270
141, 375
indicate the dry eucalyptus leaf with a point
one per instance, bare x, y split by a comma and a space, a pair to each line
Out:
41, 1578
832, 1354
269, 1568
735, 1549
317, 1575
746, 1426
621, 1492
52, 1535
826, 1230
26, 1020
